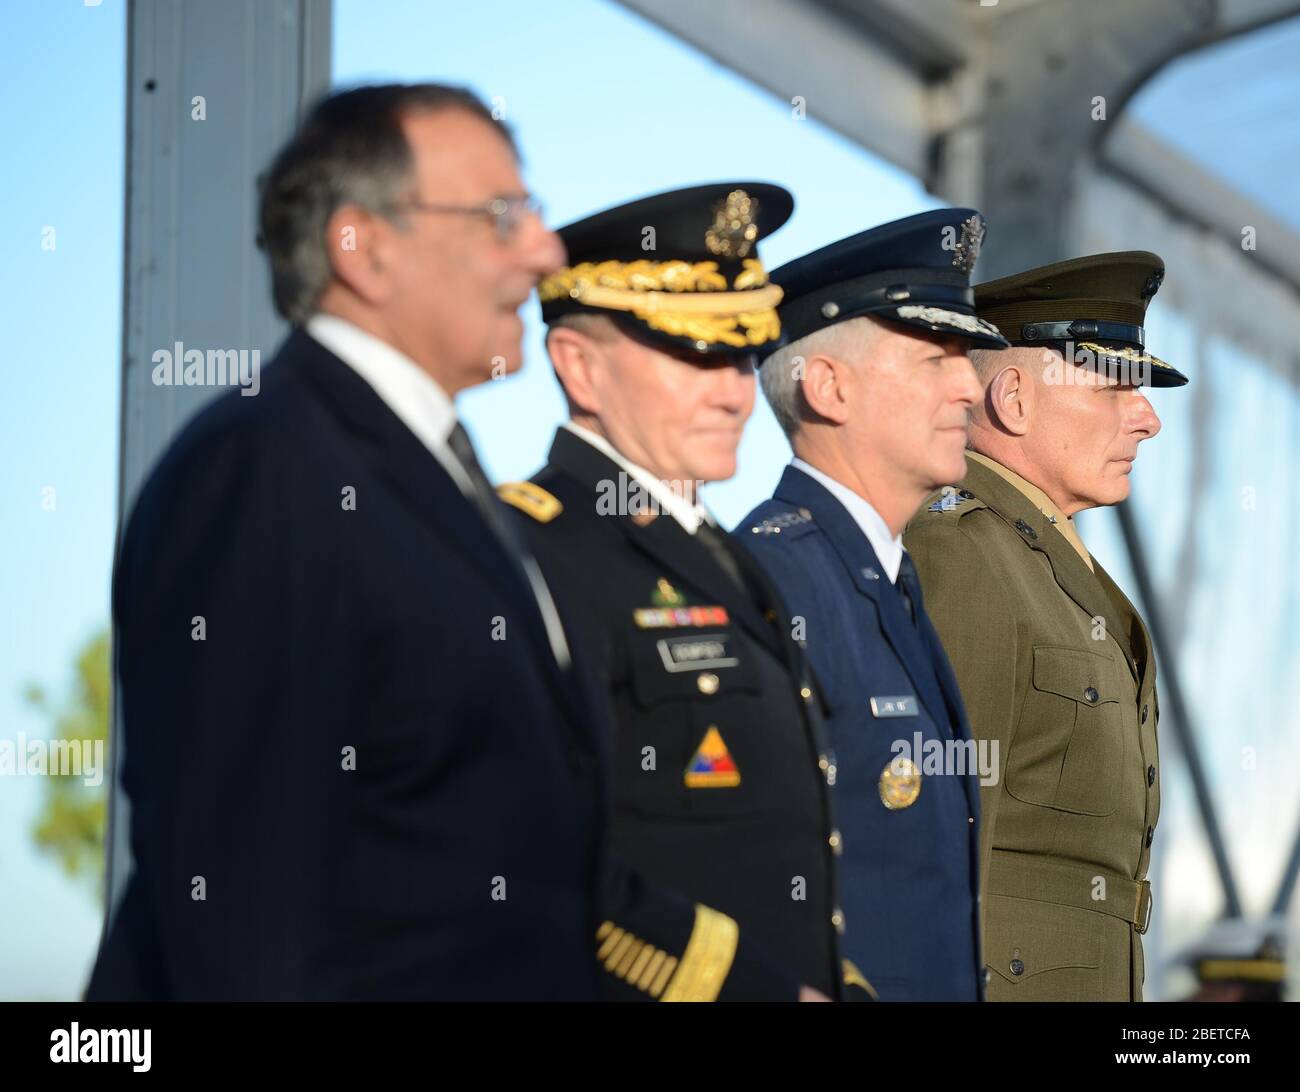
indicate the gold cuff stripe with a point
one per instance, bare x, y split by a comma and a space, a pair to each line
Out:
854, 977
707, 960
698, 976
633, 960
661, 979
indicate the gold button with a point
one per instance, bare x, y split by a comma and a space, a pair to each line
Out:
837, 920
707, 682
805, 693
835, 841
822, 763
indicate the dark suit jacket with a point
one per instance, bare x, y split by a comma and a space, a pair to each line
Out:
908, 875
369, 778
752, 836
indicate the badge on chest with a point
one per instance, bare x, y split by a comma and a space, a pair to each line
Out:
696, 652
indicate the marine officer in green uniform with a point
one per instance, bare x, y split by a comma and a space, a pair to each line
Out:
1054, 662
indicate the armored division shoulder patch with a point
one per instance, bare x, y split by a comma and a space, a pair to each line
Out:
531, 499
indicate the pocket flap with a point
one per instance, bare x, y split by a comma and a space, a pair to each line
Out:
1032, 937
1073, 673
689, 665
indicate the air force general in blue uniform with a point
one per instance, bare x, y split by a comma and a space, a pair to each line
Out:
910, 825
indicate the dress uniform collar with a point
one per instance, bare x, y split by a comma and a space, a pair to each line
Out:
688, 515
1042, 502
1086, 587
888, 548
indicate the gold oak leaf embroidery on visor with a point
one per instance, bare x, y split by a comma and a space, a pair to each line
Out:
683, 299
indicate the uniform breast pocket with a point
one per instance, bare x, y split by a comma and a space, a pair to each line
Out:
1069, 742
684, 749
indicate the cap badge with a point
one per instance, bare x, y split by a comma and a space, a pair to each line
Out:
1153, 283
734, 231
967, 249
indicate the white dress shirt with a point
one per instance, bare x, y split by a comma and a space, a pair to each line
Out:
424, 408
406, 388
689, 515
889, 548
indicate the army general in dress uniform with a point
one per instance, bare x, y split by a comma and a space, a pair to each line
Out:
874, 393
1053, 660
720, 786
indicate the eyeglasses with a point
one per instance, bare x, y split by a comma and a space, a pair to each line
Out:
506, 213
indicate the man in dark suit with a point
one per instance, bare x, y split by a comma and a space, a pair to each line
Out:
719, 767
361, 758
873, 391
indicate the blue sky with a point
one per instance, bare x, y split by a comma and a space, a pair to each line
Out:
606, 107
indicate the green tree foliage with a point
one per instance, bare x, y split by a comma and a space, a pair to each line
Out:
71, 821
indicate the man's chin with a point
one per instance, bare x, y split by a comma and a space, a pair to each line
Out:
1110, 491
718, 469
949, 470
502, 364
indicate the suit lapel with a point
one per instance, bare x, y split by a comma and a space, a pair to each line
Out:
663, 539
1072, 576
868, 576
397, 456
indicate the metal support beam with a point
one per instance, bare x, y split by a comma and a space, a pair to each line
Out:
212, 91
1176, 708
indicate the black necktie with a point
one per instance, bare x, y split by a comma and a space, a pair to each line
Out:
484, 498
712, 540
482, 493
909, 587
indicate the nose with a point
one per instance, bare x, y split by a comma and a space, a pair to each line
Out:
966, 383
1144, 422
733, 385
541, 250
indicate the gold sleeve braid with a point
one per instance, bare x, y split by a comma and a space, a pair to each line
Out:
697, 976
854, 977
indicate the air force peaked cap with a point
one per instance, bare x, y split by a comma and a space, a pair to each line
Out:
914, 271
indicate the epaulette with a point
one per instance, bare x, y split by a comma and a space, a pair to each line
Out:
952, 500
783, 522
531, 499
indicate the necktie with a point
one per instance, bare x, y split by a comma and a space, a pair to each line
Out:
482, 494
484, 498
909, 587
712, 540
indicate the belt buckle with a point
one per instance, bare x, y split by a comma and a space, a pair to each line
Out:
1143, 908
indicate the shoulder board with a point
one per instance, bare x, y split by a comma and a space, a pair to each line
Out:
958, 501
531, 499
793, 520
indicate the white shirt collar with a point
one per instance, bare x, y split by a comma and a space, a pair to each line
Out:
689, 515
406, 388
888, 548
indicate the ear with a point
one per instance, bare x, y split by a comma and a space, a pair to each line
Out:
576, 358
359, 245
826, 386
1009, 399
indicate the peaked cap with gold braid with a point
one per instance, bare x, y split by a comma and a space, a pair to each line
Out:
679, 269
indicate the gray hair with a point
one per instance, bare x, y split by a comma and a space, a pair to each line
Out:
782, 373
350, 150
